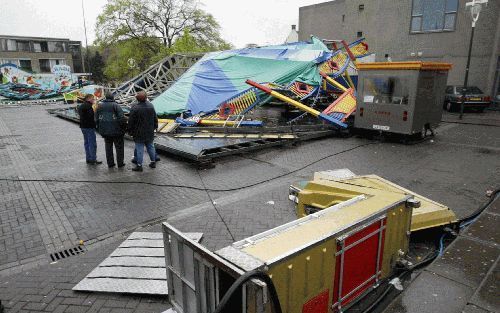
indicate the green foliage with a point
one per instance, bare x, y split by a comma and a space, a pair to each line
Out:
119, 68
96, 67
149, 30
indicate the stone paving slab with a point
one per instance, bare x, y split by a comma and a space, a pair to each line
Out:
487, 296
467, 261
426, 294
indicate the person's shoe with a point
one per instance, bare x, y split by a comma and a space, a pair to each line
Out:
121, 165
133, 161
157, 159
111, 165
89, 162
137, 168
96, 162
152, 164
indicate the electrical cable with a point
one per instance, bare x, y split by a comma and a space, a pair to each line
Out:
471, 217
215, 207
55, 180
243, 279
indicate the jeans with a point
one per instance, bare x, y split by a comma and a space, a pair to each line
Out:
89, 143
135, 156
118, 142
139, 149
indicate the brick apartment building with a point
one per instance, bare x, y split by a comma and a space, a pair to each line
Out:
39, 54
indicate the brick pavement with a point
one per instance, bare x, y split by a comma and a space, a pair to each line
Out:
445, 170
54, 227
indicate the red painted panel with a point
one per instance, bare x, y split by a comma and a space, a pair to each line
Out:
362, 233
360, 263
318, 304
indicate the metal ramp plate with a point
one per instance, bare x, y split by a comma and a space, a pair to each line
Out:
137, 266
205, 149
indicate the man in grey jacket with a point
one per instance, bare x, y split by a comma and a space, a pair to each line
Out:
111, 124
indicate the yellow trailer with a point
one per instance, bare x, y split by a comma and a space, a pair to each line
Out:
320, 263
318, 195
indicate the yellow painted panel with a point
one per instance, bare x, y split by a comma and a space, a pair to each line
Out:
314, 230
416, 65
304, 276
429, 214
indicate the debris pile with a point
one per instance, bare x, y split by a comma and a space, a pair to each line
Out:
224, 87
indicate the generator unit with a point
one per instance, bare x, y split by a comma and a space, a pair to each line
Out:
320, 263
400, 97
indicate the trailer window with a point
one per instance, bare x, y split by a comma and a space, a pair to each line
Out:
385, 90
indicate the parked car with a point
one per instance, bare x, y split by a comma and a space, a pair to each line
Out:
475, 99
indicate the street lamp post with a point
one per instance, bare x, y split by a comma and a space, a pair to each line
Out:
475, 9
85, 66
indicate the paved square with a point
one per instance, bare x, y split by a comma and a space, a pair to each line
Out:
39, 217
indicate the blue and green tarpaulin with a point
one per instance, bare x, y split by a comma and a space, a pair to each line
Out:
219, 76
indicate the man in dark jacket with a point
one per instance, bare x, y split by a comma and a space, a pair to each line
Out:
87, 125
110, 123
142, 123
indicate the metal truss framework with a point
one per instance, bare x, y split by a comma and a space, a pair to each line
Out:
157, 78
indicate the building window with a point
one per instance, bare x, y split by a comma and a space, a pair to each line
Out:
40, 46
25, 65
360, 34
433, 15
44, 65
343, 18
9, 61
11, 45
361, 7
23, 46
56, 46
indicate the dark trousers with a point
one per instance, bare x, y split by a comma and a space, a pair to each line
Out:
118, 142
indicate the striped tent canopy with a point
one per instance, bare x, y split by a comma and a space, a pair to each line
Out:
220, 76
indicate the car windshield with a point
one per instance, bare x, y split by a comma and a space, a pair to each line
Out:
469, 90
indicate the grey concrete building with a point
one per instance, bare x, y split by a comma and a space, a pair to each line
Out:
405, 30
40, 54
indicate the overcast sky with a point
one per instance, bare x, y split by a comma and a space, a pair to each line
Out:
242, 21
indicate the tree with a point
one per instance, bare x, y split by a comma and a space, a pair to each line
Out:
128, 58
96, 67
165, 20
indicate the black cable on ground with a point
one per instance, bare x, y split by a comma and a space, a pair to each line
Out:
474, 214
55, 180
243, 279
215, 207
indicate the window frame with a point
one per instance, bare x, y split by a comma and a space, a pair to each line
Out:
25, 43
445, 13
30, 69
